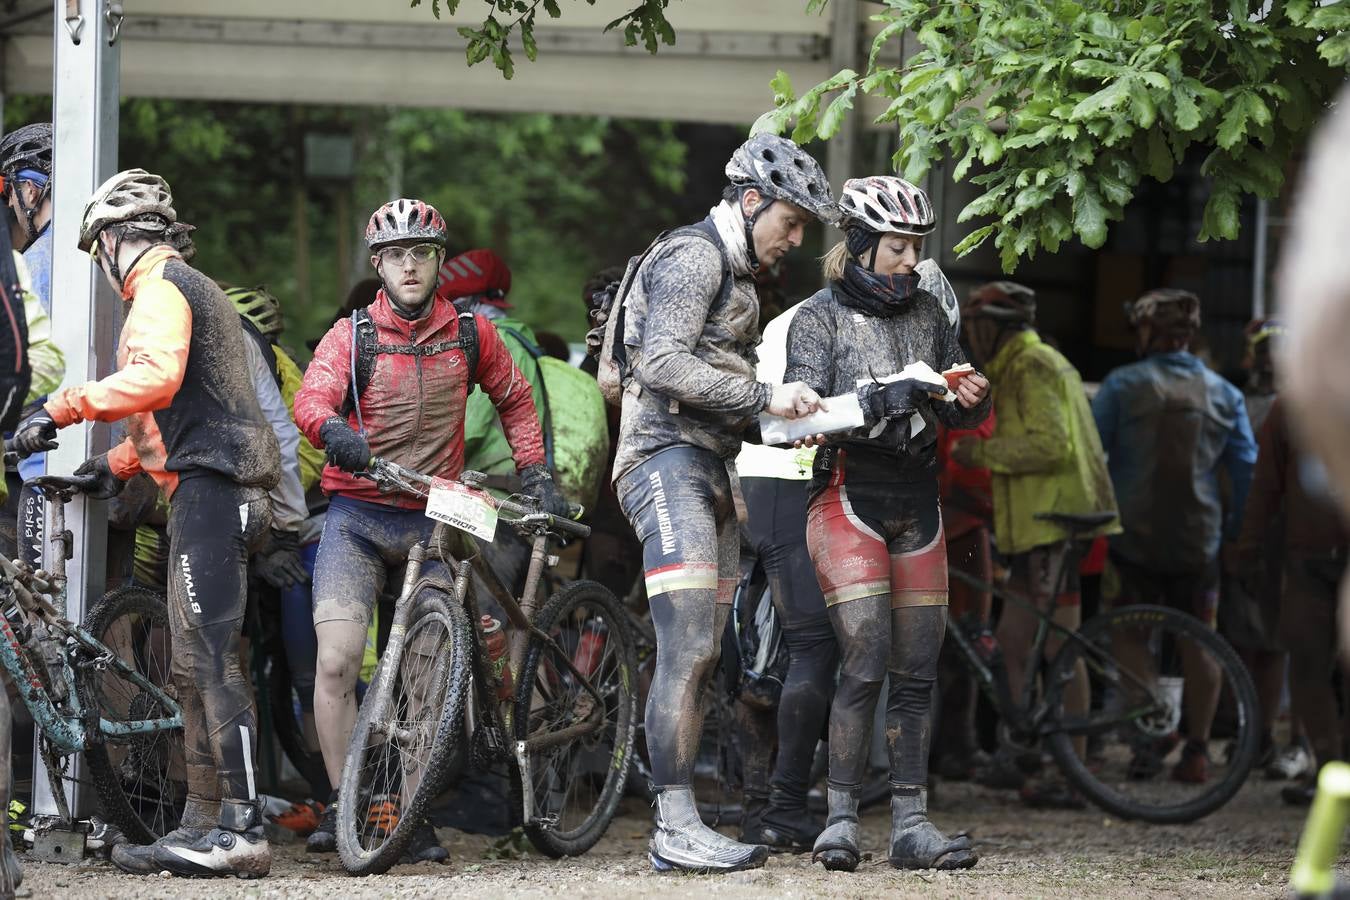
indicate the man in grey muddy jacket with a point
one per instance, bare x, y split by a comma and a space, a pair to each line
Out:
691, 326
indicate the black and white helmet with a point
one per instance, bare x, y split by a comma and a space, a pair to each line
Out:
885, 204
135, 197
781, 170
29, 147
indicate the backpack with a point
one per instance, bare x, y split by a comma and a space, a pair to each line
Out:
365, 347
15, 372
576, 437
605, 341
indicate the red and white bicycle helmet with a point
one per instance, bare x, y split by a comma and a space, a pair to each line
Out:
886, 204
476, 273
404, 220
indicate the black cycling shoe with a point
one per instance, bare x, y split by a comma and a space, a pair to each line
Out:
1300, 793
424, 847
788, 827
324, 838
752, 819
916, 843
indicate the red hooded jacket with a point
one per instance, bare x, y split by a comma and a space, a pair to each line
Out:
413, 407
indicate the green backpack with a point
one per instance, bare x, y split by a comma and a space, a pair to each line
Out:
576, 430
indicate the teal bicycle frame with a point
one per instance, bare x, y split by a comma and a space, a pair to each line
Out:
35, 631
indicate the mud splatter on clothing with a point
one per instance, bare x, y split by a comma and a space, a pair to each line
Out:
691, 352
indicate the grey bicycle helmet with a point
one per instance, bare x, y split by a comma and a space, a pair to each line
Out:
780, 170
29, 147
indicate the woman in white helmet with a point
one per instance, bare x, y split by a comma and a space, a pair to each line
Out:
874, 527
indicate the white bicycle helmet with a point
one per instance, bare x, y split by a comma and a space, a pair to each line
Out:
405, 219
134, 196
885, 204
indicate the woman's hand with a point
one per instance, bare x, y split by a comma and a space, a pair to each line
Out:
816, 440
971, 389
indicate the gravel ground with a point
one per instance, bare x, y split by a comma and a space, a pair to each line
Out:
1244, 850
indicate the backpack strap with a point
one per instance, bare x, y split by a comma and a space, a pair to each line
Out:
705, 230
366, 346
536, 353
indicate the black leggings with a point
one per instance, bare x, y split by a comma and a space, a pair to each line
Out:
212, 522
680, 503
777, 531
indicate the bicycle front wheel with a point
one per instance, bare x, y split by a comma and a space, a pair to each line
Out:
403, 745
575, 784
141, 779
1171, 725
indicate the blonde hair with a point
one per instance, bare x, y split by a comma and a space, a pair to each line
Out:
832, 263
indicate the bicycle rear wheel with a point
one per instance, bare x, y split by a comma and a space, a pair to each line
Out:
575, 786
1155, 676
141, 780
288, 722
402, 749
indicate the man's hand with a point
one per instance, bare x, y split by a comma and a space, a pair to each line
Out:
971, 389
278, 562
35, 434
792, 401
107, 485
963, 453
345, 448
811, 440
895, 399
537, 482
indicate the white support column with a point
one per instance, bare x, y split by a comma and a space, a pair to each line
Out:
845, 53
85, 312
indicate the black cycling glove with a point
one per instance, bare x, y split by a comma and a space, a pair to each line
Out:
35, 434
537, 482
346, 449
107, 484
278, 562
895, 399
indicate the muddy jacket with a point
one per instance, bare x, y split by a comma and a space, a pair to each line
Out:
831, 347
413, 408
1045, 454
1167, 424
182, 384
691, 354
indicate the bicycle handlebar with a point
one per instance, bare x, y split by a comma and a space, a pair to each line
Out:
382, 471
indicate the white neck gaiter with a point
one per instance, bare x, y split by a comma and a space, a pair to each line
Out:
730, 224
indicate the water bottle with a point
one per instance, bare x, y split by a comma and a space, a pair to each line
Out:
495, 638
589, 647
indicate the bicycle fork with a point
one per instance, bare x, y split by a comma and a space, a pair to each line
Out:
393, 651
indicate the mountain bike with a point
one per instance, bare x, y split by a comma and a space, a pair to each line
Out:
103, 689
558, 706
1138, 661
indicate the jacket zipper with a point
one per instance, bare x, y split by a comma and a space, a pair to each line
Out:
421, 392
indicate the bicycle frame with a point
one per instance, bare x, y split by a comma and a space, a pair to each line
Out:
519, 613
1026, 717
36, 598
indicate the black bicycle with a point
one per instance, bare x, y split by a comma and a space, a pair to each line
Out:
1152, 673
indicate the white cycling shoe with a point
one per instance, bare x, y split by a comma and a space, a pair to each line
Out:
682, 842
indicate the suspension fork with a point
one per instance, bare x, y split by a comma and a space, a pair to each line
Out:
393, 651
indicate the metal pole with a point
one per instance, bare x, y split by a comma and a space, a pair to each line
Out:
1259, 254
85, 312
845, 53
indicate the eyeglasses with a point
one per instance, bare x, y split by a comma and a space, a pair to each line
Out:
397, 256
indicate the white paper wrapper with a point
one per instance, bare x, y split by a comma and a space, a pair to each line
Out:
841, 414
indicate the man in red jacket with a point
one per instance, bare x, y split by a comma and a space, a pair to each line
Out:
410, 411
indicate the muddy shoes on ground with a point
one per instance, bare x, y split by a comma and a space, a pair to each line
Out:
916, 842
787, 825
682, 842
234, 846
199, 817
324, 838
837, 847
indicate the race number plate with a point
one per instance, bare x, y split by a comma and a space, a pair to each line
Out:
464, 508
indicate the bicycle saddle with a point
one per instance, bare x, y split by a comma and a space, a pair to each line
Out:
1078, 521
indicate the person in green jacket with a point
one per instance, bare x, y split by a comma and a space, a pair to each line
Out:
1045, 456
